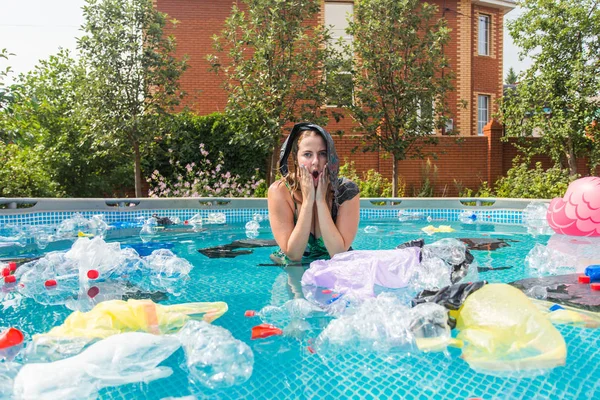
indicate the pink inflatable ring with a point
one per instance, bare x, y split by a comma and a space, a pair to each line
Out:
578, 213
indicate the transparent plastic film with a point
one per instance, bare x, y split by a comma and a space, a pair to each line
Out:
503, 331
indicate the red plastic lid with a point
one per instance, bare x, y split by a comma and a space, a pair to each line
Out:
250, 313
264, 331
10, 279
584, 279
92, 274
11, 337
50, 283
12, 265
5, 272
595, 286
93, 292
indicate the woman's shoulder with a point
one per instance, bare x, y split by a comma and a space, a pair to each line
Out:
347, 189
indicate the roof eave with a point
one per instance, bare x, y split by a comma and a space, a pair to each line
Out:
504, 5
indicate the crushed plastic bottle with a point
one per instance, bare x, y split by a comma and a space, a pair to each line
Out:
149, 231
467, 217
384, 325
196, 222
214, 357
252, 226
290, 310
534, 218
216, 219
371, 229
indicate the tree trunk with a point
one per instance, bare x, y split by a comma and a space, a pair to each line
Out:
137, 169
571, 161
394, 176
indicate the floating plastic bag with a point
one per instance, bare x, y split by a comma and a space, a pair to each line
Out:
358, 271
214, 357
118, 360
504, 332
116, 316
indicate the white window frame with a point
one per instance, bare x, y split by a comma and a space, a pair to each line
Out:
484, 34
483, 114
339, 31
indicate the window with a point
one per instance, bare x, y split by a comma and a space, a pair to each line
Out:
483, 112
336, 19
484, 35
339, 79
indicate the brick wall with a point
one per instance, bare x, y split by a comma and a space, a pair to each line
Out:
473, 160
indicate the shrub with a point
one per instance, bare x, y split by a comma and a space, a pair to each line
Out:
372, 183
201, 180
22, 174
215, 132
537, 183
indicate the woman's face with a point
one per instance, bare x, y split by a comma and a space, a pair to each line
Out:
312, 153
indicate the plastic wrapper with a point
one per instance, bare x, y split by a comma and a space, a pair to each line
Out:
384, 325
214, 357
451, 297
357, 272
121, 359
504, 332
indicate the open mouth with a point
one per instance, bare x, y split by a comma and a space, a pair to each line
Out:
315, 174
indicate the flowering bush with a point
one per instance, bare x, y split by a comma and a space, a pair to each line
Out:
201, 180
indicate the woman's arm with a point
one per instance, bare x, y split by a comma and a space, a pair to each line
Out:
291, 239
337, 237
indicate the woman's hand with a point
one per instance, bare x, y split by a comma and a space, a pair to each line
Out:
322, 186
306, 186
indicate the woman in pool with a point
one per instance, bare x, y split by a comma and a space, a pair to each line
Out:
313, 213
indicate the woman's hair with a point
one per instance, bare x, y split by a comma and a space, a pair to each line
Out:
292, 177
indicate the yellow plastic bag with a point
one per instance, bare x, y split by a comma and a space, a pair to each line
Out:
430, 229
503, 331
117, 316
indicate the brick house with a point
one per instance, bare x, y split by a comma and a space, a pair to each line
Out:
475, 53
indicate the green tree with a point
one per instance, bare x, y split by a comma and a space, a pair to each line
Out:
272, 53
557, 95
49, 116
133, 75
401, 76
511, 77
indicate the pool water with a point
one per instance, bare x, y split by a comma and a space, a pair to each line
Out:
283, 366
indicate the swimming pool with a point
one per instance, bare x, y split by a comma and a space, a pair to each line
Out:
285, 368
